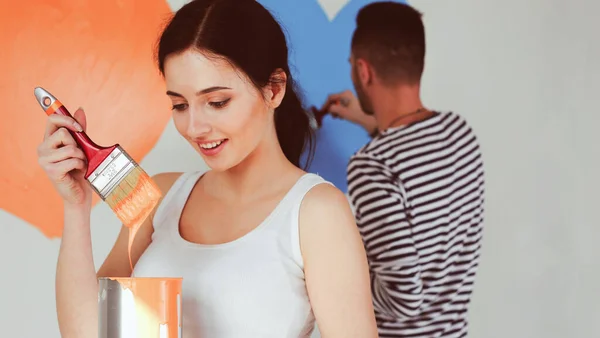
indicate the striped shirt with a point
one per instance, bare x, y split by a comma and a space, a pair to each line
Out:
418, 195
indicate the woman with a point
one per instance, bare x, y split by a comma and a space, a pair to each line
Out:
263, 247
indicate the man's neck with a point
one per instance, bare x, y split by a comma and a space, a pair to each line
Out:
398, 106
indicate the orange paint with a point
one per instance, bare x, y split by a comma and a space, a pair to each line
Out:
135, 203
105, 66
157, 305
132, 232
136, 207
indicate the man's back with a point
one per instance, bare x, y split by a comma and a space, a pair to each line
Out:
418, 194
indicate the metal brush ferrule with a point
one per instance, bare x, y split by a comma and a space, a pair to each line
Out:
111, 172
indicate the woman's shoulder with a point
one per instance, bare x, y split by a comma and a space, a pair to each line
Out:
323, 196
324, 203
168, 181
165, 180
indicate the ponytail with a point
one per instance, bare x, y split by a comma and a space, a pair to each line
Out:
293, 127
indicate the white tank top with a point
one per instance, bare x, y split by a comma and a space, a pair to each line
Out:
251, 287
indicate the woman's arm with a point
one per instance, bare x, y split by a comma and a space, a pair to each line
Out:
335, 265
76, 285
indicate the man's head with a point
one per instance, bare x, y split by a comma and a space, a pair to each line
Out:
388, 49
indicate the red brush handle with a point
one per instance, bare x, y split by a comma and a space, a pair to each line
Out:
94, 153
90, 148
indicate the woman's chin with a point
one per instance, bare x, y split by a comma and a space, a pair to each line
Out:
221, 164
216, 164
217, 168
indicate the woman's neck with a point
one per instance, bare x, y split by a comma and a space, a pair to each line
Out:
262, 172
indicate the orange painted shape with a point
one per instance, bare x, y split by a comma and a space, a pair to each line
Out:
92, 54
157, 303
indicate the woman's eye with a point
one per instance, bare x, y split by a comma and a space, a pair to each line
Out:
180, 107
219, 104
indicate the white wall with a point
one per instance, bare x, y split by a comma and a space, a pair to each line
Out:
525, 73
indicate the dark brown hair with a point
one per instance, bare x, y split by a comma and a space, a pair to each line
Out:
391, 37
246, 35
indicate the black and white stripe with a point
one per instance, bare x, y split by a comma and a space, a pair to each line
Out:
418, 195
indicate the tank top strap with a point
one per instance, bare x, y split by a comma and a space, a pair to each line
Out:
174, 200
304, 184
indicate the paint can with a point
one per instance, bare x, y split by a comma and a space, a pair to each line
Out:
136, 307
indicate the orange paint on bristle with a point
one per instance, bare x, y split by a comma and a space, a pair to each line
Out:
133, 200
157, 305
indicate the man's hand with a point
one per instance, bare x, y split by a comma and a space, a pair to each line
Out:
346, 106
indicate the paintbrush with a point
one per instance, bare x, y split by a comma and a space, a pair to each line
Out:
316, 115
112, 173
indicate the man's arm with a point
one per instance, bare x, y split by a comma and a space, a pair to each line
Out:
396, 283
345, 105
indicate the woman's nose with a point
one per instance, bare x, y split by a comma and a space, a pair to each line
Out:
198, 125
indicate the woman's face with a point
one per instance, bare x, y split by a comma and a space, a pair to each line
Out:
215, 108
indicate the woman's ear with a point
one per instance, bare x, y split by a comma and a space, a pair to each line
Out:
275, 90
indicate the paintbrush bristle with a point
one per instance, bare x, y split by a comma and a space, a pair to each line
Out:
134, 198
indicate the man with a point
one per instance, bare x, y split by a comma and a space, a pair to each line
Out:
417, 187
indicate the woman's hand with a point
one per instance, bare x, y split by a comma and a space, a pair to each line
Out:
63, 160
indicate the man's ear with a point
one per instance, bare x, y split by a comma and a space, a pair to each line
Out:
364, 72
275, 90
